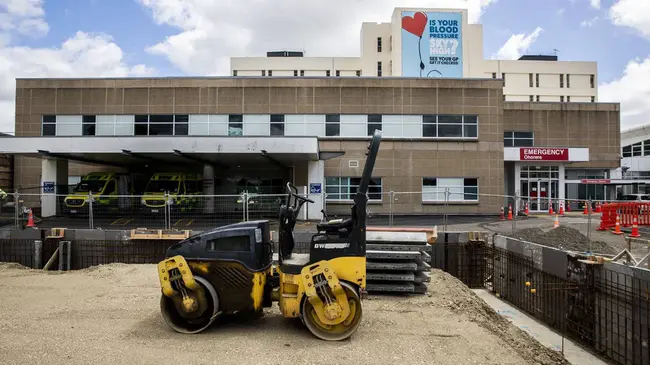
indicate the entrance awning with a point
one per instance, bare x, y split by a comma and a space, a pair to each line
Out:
128, 150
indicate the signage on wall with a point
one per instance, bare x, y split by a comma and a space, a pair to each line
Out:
544, 154
315, 188
48, 187
596, 181
432, 44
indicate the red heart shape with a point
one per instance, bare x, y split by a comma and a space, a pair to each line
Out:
415, 24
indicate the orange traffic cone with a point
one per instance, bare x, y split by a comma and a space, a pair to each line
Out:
30, 219
509, 212
550, 208
527, 210
561, 209
568, 205
617, 229
557, 222
585, 211
598, 210
635, 228
502, 216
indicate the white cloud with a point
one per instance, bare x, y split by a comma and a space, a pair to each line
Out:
595, 4
589, 23
632, 13
517, 45
83, 55
211, 31
23, 16
632, 90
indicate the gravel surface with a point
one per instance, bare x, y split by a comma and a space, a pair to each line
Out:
110, 315
564, 238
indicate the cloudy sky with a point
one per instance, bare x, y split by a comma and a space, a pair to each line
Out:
63, 38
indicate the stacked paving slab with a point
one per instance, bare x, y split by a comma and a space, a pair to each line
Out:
398, 262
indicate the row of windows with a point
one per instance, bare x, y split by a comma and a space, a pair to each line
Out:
518, 139
561, 80
322, 125
328, 73
343, 189
562, 98
637, 149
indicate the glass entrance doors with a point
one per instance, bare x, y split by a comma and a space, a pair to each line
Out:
539, 187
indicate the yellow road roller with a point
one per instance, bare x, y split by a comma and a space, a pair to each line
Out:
231, 270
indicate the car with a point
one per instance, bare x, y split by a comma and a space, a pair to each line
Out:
636, 197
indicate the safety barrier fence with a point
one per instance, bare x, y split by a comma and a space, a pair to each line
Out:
197, 212
625, 213
604, 307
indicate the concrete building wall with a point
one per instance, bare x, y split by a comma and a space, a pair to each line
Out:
290, 66
402, 162
595, 126
371, 55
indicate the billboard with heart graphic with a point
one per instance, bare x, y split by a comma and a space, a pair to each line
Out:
432, 44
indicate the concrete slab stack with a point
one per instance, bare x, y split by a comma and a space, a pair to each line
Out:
398, 259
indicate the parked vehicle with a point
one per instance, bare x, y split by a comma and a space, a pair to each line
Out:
182, 190
108, 190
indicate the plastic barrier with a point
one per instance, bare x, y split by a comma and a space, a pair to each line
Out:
626, 212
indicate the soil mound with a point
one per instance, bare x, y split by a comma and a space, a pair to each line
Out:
564, 238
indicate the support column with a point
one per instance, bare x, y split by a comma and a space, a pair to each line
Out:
208, 189
54, 173
316, 189
562, 187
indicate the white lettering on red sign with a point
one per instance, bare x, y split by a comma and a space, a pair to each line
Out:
542, 154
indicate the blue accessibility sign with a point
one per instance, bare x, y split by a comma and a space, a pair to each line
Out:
315, 188
48, 186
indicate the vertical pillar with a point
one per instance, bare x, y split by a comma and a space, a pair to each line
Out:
208, 189
562, 188
53, 173
315, 189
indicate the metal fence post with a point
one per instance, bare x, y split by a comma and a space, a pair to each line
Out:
64, 255
589, 224
38, 254
516, 212
16, 207
244, 202
166, 216
391, 194
444, 216
91, 222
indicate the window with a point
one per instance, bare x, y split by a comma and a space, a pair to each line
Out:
568, 81
49, 125
561, 80
494, 75
562, 98
531, 98
504, 79
302, 72
338, 73
181, 125
627, 151
374, 122
239, 243
504, 97
379, 44
141, 125
450, 126
263, 72
537, 80
530, 80
161, 125
345, 188
646, 147
277, 124
449, 189
270, 72
518, 139
593, 99
592, 80
295, 73
234, 72
235, 125
327, 73
568, 98
110, 187
379, 69
358, 72
88, 125
332, 125
636, 149
537, 98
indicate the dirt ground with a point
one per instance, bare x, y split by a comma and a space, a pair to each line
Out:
110, 314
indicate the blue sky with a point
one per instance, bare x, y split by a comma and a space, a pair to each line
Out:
196, 37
